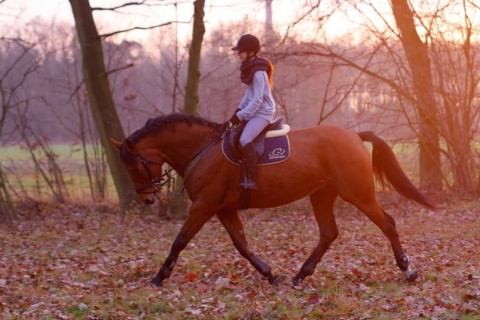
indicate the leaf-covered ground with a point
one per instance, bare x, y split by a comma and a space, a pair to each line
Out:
89, 263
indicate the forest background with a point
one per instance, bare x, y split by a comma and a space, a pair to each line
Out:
337, 62
407, 70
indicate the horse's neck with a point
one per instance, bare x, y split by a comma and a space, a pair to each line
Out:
180, 146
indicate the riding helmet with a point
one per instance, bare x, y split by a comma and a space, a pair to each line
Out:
247, 42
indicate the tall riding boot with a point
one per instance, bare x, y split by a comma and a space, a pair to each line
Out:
249, 160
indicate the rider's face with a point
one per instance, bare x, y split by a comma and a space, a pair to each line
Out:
243, 55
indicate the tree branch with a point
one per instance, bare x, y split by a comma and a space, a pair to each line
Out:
120, 68
119, 7
133, 3
106, 35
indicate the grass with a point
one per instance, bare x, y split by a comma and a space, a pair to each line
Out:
20, 153
70, 159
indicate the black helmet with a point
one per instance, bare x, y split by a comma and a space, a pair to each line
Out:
247, 42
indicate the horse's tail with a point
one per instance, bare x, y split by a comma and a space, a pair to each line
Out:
387, 170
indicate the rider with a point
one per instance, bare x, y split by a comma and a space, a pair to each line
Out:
257, 107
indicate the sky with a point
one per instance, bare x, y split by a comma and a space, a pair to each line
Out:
216, 11
219, 10
284, 12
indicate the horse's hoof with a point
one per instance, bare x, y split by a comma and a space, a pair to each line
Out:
156, 283
296, 282
274, 280
412, 276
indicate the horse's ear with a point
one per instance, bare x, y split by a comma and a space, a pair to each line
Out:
116, 144
130, 146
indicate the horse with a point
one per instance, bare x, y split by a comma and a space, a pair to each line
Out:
325, 163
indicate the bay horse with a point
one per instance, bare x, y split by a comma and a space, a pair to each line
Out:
325, 162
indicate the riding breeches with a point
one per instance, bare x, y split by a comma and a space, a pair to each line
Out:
252, 129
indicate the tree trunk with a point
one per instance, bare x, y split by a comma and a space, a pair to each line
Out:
419, 62
195, 53
100, 97
178, 208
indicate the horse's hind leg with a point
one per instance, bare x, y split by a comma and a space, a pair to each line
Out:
322, 202
232, 223
386, 223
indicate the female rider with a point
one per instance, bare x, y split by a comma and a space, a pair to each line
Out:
257, 107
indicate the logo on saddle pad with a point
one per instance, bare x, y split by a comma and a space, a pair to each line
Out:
277, 153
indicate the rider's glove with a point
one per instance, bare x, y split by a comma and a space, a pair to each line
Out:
234, 119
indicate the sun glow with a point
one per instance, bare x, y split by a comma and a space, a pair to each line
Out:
329, 21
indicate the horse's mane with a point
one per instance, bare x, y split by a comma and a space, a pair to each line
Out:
158, 124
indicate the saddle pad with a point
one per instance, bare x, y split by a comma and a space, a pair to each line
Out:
277, 149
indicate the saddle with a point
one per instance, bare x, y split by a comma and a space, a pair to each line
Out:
271, 145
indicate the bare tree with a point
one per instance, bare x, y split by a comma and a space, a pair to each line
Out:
100, 97
425, 78
456, 72
419, 61
441, 86
19, 62
195, 53
178, 208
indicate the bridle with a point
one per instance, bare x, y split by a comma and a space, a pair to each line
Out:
156, 183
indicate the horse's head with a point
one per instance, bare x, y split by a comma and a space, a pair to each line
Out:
173, 138
145, 172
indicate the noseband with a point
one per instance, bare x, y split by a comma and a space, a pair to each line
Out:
156, 183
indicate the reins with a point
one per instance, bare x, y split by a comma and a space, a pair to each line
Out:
193, 161
166, 177
199, 156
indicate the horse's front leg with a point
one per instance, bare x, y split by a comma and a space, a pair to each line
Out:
196, 219
232, 223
